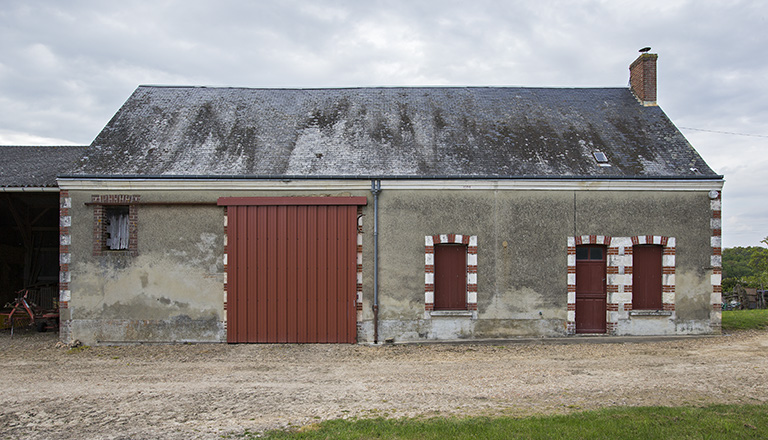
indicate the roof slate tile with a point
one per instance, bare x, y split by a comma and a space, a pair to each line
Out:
34, 166
418, 131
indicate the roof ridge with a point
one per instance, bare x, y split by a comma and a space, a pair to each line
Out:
447, 87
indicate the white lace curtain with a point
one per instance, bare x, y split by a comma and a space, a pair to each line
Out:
117, 230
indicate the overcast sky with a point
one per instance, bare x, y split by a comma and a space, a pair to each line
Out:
67, 66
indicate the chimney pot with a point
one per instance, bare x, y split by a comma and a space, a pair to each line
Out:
642, 78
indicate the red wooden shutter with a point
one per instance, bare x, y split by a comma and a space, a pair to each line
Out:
646, 277
450, 277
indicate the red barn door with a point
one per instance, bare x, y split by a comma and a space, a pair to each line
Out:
291, 269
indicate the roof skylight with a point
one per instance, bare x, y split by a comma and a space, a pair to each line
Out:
600, 157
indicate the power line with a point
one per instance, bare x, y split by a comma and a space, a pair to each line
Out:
724, 132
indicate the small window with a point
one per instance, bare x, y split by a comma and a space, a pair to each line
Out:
589, 253
115, 224
117, 231
600, 157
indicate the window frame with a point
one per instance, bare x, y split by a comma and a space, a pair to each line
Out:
101, 205
470, 241
448, 295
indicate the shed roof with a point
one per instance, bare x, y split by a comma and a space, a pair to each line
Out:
452, 132
35, 166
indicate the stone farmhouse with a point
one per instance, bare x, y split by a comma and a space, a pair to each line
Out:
365, 215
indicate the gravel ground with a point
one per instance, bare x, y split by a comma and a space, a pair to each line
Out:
206, 391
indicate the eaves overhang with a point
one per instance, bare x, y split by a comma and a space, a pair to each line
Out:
286, 182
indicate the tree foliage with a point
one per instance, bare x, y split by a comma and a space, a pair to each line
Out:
747, 266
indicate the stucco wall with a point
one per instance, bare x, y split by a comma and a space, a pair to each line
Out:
170, 291
522, 267
173, 289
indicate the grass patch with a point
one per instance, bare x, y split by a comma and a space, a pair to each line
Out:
712, 422
756, 319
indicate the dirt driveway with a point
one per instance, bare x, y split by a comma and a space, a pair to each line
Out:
205, 391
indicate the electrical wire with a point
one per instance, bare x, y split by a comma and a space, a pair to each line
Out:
723, 132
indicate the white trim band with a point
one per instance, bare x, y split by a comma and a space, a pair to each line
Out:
404, 184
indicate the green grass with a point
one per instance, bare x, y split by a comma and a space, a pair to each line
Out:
745, 319
712, 422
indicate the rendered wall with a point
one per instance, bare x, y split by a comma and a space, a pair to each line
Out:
172, 290
522, 258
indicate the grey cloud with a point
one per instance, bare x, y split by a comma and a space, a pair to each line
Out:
68, 66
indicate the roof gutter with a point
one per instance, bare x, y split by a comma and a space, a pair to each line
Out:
29, 189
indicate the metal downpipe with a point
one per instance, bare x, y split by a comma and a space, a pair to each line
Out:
375, 190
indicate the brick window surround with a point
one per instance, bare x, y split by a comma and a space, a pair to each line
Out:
99, 203
619, 276
430, 241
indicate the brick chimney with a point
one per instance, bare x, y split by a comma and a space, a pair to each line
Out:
642, 78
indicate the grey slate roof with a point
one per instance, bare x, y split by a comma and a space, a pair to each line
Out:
419, 131
32, 166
